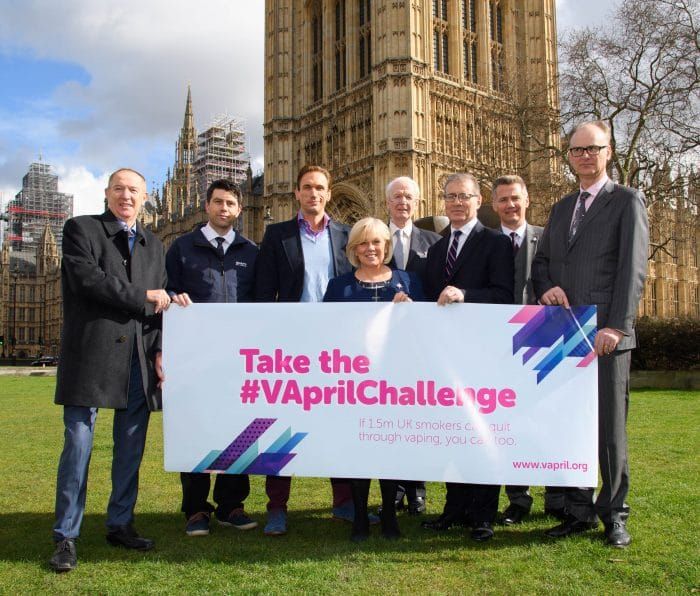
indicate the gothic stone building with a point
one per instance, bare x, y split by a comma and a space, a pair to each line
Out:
377, 89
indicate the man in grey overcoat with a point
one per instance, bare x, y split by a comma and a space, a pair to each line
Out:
113, 280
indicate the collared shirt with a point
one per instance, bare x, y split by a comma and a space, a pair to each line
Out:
405, 236
466, 229
306, 229
211, 235
130, 233
519, 233
593, 190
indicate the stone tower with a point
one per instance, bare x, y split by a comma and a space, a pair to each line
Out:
373, 89
180, 188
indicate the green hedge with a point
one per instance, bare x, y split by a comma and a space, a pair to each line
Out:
667, 344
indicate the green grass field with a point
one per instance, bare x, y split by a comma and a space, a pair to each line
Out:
317, 556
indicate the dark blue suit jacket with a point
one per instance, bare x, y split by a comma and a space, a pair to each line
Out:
279, 274
483, 270
345, 288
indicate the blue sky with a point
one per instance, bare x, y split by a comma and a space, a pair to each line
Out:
92, 86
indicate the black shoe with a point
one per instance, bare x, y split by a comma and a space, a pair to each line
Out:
513, 514
439, 524
127, 537
482, 532
416, 506
390, 526
569, 526
64, 557
617, 535
559, 513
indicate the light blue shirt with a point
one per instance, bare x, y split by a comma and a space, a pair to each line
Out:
318, 266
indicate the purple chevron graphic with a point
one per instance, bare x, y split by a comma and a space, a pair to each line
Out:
241, 455
240, 444
561, 333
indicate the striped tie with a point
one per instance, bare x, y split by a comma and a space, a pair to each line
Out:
578, 214
452, 254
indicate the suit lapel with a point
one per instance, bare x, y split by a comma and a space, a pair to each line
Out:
336, 237
417, 246
469, 243
599, 203
292, 246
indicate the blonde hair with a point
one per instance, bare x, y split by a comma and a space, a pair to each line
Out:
366, 229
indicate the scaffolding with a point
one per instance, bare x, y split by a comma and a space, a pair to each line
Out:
37, 204
221, 153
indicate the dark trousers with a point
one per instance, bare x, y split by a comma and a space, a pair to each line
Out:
230, 490
554, 497
613, 403
279, 487
471, 503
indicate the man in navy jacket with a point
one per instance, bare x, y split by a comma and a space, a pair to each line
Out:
214, 263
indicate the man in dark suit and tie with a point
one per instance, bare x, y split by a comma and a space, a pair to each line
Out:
113, 280
411, 245
471, 264
296, 260
510, 202
594, 251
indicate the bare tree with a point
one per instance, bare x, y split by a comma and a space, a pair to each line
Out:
640, 75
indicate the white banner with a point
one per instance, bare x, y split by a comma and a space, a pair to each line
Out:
488, 394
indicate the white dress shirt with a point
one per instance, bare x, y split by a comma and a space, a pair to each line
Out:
211, 234
466, 229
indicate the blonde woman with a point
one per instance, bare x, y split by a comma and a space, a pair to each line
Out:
369, 250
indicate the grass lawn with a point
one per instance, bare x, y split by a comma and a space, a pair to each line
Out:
317, 556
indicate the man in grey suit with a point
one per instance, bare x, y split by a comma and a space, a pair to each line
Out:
510, 202
410, 242
113, 280
411, 246
594, 251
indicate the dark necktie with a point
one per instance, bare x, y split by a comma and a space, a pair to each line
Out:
220, 247
514, 242
578, 214
452, 254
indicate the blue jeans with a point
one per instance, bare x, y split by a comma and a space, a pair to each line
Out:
129, 435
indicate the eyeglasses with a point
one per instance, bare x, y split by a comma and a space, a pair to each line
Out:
462, 196
591, 150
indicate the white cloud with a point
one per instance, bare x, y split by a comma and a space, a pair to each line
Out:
87, 190
140, 57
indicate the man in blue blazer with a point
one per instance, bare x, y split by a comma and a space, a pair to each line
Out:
471, 264
296, 260
594, 251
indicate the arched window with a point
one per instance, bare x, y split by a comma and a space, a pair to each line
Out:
340, 45
497, 55
316, 51
440, 37
469, 41
365, 41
